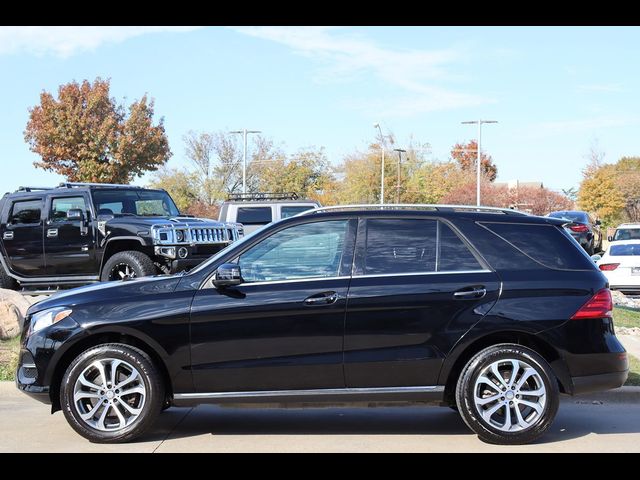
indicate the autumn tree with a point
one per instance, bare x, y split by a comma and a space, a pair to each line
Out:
85, 135
491, 195
180, 184
467, 154
600, 195
538, 201
627, 181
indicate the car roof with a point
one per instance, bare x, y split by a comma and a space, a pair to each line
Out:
268, 202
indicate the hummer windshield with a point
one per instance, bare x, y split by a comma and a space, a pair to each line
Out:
144, 203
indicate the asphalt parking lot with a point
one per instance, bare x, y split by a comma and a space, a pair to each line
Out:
608, 422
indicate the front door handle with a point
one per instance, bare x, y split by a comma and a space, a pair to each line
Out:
52, 232
470, 293
324, 298
7, 236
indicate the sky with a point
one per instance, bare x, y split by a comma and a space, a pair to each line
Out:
555, 91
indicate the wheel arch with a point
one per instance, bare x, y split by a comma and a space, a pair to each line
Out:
98, 338
462, 353
122, 244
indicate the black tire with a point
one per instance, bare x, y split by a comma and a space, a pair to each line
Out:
137, 262
150, 379
7, 282
488, 431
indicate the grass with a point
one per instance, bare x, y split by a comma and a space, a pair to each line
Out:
9, 350
626, 317
634, 372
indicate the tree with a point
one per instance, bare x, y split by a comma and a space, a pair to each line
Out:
181, 185
467, 155
599, 195
627, 180
571, 193
86, 136
490, 194
539, 201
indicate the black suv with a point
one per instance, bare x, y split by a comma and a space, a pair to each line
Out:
452, 305
583, 227
81, 233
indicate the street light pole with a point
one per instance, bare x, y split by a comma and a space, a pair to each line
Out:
377, 125
400, 152
244, 132
478, 160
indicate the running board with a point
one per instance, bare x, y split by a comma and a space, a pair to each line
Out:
426, 394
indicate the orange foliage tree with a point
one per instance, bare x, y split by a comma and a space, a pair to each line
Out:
86, 136
466, 156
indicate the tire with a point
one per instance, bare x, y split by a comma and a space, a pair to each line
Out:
136, 263
7, 282
590, 249
492, 427
142, 406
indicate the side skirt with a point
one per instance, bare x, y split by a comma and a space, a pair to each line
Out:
428, 394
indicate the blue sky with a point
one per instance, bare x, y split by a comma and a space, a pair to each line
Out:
554, 90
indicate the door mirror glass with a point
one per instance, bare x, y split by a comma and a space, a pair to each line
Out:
227, 275
74, 215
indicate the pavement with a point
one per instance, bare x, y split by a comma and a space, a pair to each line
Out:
605, 422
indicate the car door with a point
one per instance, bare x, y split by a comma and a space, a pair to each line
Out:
69, 245
283, 327
22, 237
416, 289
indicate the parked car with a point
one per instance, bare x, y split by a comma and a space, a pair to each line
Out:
79, 233
255, 210
583, 227
492, 312
621, 265
626, 231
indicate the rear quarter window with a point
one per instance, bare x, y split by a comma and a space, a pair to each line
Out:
254, 215
546, 244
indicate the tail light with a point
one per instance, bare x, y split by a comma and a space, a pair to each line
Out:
579, 228
607, 267
598, 306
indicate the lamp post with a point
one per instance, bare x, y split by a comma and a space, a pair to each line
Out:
377, 125
479, 123
244, 132
400, 152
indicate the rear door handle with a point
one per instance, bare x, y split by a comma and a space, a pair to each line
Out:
52, 232
324, 298
470, 293
7, 236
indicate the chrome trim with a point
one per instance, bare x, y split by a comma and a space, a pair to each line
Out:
421, 273
312, 279
299, 393
28, 365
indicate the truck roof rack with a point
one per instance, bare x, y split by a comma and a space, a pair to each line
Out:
31, 189
418, 206
87, 184
248, 197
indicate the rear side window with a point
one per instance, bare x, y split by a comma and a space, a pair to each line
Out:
395, 246
546, 244
254, 215
26, 213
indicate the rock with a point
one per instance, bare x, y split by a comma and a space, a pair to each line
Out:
621, 300
13, 308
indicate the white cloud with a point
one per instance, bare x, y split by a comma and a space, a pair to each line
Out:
344, 57
605, 87
66, 41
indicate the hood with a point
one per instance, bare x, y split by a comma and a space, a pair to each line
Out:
168, 221
108, 291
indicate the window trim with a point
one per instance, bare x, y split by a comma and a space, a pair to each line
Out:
360, 252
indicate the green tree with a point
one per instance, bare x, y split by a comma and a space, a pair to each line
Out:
627, 180
181, 185
600, 195
86, 135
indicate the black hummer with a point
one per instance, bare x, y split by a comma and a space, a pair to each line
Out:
79, 233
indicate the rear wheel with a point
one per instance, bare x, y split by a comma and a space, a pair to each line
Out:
127, 264
112, 393
508, 395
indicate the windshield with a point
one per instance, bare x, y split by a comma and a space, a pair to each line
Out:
571, 216
145, 203
630, 249
627, 234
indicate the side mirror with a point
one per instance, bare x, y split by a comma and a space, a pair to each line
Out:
75, 215
598, 222
610, 238
596, 258
227, 275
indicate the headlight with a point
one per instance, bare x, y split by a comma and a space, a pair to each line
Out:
48, 317
180, 236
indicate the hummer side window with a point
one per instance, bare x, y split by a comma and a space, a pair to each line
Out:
60, 207
26, 213
302, 251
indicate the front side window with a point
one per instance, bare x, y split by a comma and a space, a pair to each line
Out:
60, 207
302, 251
26, 213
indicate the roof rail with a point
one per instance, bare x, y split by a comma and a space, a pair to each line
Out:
87, 184
247, 197
417, 206
31, 189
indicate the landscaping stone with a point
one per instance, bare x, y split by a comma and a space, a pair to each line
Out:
13, 308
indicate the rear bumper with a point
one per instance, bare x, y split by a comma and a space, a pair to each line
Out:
596, 383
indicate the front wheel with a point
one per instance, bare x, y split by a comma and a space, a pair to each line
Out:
508, 395
127, 264
112, 393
